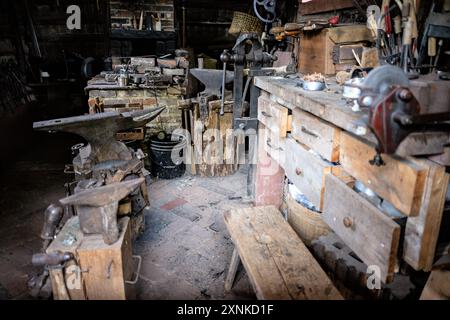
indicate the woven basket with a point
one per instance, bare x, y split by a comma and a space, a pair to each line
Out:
243, 22
308, 224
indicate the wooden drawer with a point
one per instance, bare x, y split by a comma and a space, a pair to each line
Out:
400, 181
273, 116
275, 146
307, 171
317, 134
372, 235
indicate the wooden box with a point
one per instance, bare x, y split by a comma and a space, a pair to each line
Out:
107, 267
316, 48
104, 268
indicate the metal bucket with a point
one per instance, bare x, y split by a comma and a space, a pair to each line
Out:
166, 153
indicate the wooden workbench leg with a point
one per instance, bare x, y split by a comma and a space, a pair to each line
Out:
234, 264
269, 179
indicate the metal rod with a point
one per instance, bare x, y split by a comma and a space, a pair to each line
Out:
224, 80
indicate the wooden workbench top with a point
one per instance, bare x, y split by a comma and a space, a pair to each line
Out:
328, 104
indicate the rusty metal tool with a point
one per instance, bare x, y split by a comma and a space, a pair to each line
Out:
55, 261
394, 110
99, 130
213, 81
52, 217
97, 206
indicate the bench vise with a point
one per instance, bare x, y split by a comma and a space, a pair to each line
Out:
395, 112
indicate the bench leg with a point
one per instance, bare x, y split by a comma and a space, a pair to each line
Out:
235, 260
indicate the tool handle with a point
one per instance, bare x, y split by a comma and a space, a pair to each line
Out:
222, 99
51, 259
431, 46
407, 33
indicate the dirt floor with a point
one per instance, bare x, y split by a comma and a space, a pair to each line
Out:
185, 248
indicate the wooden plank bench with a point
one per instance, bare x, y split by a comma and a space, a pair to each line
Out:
279, 265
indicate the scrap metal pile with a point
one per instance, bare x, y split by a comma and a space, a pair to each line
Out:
147, 71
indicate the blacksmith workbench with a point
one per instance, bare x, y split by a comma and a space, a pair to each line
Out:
323, 147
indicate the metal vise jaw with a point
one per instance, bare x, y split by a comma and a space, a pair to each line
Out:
99, 131
97, 206
255, 59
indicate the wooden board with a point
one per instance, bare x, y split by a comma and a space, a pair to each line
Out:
307, 171
372, 235
107, 267
318, 6
215, 142
421, 233
437, 286
273, 116
400, 181
317, 134
71, 230
277, 262
274, 146
423, 143
136, 134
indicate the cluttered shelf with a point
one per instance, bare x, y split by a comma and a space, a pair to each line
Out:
141, 34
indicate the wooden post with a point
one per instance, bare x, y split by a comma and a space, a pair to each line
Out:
269, 176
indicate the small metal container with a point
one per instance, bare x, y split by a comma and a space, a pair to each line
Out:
351, 91
313, 85
122, 80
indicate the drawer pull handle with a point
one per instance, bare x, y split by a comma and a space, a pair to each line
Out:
309, 132
270, 145
265, 114
298, 171
348, 222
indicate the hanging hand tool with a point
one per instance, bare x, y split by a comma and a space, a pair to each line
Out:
224, 81
398, 32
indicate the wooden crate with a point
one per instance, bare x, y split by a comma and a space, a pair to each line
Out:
104, 268
316, 47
